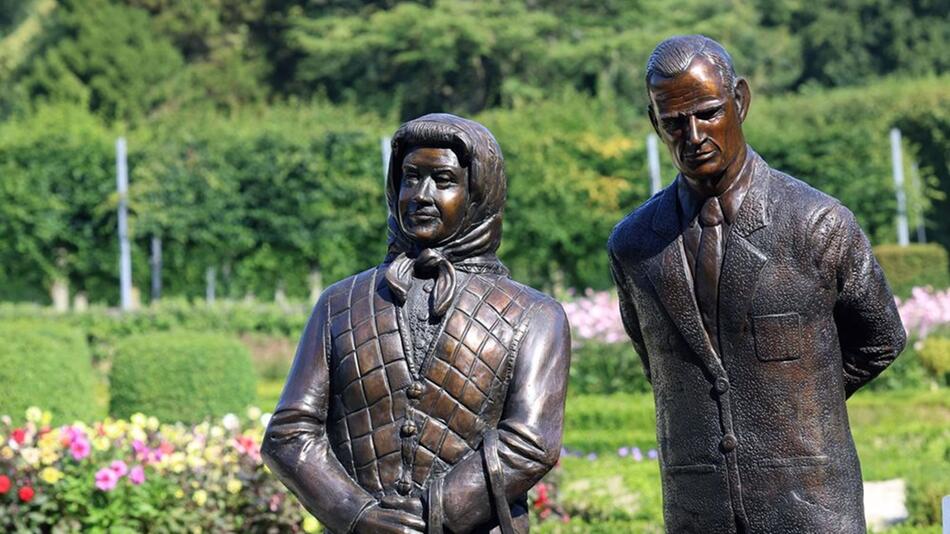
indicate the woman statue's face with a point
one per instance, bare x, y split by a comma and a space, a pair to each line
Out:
433, 195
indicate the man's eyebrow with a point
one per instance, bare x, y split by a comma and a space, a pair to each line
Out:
706, 106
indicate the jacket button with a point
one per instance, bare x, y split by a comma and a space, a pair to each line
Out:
722, 385
403, 486
408, 429
729, 442
415, 390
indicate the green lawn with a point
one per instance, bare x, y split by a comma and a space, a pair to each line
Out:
899, 434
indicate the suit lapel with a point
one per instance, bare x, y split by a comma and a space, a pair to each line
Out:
743, 260
670, 277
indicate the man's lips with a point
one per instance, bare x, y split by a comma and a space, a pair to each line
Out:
698, 157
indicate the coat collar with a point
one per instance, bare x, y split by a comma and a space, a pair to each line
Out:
742, 262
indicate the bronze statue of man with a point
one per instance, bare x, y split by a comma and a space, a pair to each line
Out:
757, 308
427, 393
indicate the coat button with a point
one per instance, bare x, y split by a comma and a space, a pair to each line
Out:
415, 390
408, 429
729, 442
722, 385
403, 486
427, 287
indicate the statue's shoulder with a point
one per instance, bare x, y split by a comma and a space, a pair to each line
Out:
807, 204
523, 296
339, 295
633, 238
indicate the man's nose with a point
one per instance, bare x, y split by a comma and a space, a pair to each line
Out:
692, 129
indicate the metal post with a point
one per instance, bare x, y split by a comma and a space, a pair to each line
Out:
125, 254
653, 158
903, 235
210, 279
918, 194
156, 268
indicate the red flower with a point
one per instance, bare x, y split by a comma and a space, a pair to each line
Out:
18, 435
4, 484
26, 494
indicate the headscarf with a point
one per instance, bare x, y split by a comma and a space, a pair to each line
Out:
472, 248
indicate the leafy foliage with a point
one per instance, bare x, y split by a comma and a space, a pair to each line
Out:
40, 360
181, 376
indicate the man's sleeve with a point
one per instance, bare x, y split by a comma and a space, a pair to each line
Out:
295, 446
628, 314
869, 327
529, 432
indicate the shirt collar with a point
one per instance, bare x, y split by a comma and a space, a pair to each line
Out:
690, 202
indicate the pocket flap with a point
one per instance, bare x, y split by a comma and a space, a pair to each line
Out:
778, 337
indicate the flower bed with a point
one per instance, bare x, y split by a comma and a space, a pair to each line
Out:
138, 474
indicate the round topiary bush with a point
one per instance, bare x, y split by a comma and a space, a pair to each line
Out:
46, 364
181, 376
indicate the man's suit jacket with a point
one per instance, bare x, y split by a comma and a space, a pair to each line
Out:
754, 436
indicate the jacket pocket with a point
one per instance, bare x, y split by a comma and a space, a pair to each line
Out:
777, 337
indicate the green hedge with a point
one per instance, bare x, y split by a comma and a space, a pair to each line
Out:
46, 365
599, 368
181, 376
935, 356
914, 265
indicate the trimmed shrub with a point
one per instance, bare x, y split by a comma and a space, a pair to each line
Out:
46, 365
925, 492
914, 265
598, 367
935, 355
181, 376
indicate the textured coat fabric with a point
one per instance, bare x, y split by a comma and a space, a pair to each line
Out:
358, 417
752, 428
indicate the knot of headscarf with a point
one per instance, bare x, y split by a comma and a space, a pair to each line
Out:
444, 262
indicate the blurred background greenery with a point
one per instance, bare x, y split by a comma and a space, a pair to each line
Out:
254, 126
254, 130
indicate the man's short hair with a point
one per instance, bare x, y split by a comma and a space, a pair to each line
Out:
674, 55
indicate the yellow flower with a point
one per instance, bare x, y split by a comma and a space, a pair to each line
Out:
253, 413
51, 475
139, 420
101, 443
48, 456
200, 497
46, 418
34, 414
310, 524
234, 486
6, 453
179, 493
136, 433
152, 423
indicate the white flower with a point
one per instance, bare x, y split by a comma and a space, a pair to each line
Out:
34, 414
253, 413
265, 418
231, 422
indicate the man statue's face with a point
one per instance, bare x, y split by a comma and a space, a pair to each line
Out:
700, 120
433, 195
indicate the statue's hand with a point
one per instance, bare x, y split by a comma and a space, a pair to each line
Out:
412, 505
376, 519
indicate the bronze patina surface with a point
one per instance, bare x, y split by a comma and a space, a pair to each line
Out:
757, 308
427, 394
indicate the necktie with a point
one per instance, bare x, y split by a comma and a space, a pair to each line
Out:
708, 264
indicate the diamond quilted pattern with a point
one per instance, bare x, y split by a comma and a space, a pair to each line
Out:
370, 376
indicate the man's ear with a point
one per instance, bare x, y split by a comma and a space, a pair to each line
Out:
656, 127
743, 98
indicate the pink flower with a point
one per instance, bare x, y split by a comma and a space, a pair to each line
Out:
119, 467
79, 448
137, 475
106, 479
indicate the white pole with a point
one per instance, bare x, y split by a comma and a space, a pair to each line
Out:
125, 254
156, 267
653, 157
903, 235
918, 194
